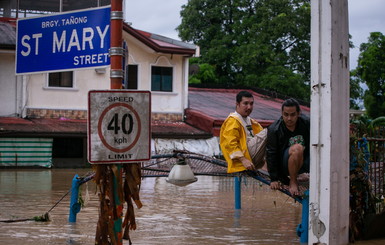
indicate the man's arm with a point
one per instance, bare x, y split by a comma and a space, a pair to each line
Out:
229, 138
229, 141
247, 163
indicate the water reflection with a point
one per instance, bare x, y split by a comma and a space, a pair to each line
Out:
200, 213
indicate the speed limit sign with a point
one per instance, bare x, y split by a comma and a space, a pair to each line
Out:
119, 126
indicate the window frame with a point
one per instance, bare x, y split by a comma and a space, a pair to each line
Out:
73, 87
172, 78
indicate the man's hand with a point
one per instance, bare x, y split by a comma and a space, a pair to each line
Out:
247, 163
275, 185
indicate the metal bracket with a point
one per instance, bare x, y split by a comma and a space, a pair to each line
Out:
116, 15
116, 74
116, 51
318, 227
319, 85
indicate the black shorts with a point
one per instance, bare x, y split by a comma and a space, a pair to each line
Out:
304, 169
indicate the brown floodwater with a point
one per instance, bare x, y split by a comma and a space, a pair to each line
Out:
200, 213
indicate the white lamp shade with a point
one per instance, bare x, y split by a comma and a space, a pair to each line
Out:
181, 175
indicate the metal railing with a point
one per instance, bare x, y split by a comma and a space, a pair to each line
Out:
376, 171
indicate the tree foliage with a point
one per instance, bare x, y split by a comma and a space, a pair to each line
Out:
371, 71
356, 91
261, 43
204, 74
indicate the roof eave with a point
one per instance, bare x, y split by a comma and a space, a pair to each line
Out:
8, 46
148, 42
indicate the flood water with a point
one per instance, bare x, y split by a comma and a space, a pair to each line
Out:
200, 213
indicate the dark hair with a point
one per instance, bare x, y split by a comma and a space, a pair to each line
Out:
291, 102
242, 94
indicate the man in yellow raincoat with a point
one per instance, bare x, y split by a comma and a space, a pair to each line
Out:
235, 132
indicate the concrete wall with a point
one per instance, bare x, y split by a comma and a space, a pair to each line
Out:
43, 97
145, 58
10, 85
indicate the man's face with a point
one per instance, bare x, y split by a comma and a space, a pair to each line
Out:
245, 107
290, 116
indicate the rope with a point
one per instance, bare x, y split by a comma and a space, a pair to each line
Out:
59, 201
45, 216
82, 181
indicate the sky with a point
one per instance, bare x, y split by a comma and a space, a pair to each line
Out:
162, 17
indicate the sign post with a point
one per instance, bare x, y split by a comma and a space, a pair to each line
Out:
119, 131
119, 126
116, 77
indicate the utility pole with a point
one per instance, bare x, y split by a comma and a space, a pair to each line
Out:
116, 50
116, 76
114, 207
329, 170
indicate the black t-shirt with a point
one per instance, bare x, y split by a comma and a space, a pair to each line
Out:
279, 138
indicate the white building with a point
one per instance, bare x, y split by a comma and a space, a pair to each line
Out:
54, 105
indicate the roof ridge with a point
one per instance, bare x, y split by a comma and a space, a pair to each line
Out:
172, 41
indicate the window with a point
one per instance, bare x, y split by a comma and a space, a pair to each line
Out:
60, 79
132, 77
161, 78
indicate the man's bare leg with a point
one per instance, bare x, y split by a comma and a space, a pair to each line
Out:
295, 163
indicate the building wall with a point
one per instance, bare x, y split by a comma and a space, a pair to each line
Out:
40, 96
162, 102
10, 85
29, 95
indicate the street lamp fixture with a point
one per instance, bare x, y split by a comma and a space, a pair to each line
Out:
181, 174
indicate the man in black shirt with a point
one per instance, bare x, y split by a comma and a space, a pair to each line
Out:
287, 150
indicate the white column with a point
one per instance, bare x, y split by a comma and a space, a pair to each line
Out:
329, 171
24, 95
185, 75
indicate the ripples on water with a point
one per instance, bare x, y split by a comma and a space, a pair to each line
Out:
200, 213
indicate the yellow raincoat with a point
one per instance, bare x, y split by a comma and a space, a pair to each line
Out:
233, 142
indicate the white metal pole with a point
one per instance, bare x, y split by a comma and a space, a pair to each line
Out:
329, 171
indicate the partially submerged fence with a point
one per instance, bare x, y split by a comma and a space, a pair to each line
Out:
160, 165
372, 140
376, 141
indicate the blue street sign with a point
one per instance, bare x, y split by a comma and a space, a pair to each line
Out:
66, 41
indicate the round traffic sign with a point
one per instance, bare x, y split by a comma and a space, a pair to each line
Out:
119, 127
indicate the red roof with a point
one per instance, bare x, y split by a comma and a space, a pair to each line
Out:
14, 126
7, 33
159, 43
53, 127
11, 21
208, 108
